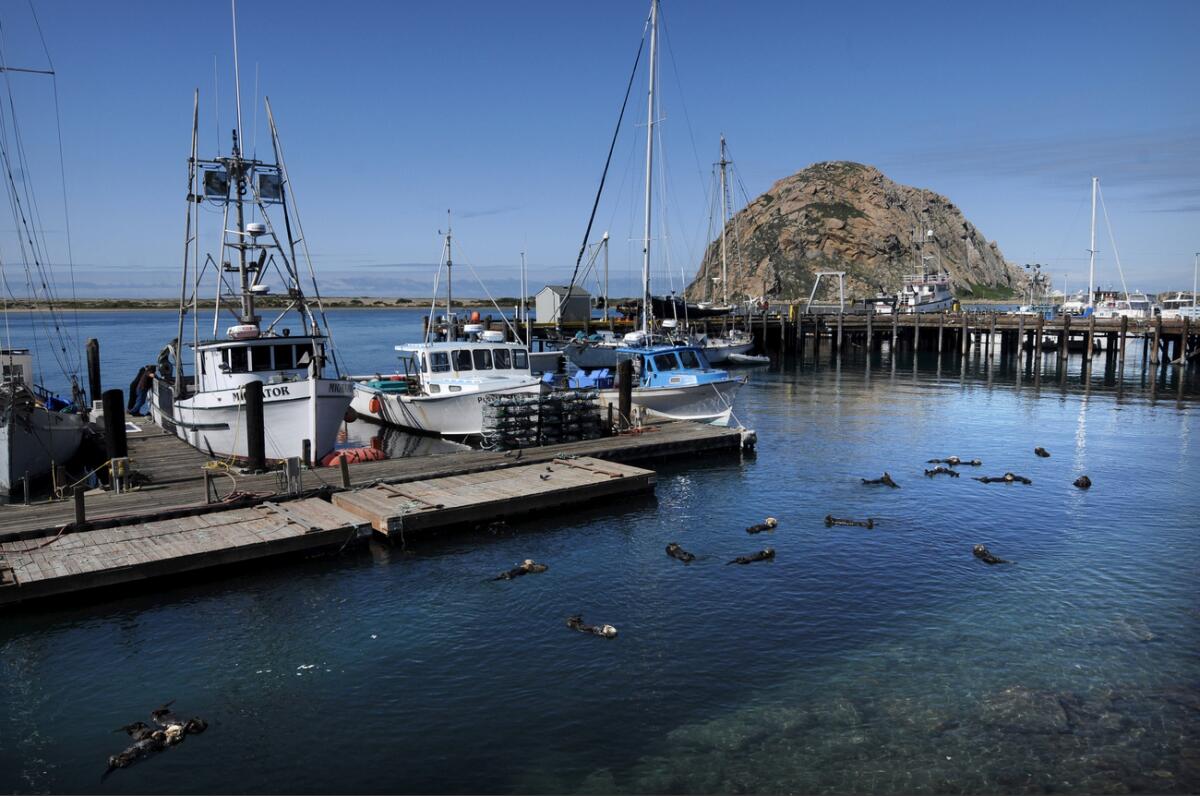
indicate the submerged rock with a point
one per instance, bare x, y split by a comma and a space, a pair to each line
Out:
1023, 710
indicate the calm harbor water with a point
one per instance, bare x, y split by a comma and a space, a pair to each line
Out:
858, 660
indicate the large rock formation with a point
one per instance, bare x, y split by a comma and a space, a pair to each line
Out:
842, 216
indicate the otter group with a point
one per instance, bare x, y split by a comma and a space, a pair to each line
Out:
939, 470
168, 730
954, 461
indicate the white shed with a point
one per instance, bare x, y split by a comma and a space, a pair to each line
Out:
552, 304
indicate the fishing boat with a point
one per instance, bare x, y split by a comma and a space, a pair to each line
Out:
1134, 305
1181, 305
671, 381
205, 405
38, 430
440, 387
924, 292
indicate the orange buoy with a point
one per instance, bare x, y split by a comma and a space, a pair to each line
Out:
352, 456
374, 406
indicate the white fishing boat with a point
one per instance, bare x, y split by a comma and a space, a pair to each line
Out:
727, 346
1181, 305
440, 387
1134, 305
37, 430
205, 406
927, 292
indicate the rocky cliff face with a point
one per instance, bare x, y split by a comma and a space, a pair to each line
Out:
842, 216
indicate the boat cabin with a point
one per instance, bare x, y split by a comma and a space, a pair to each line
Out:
17, 365
456, 366
229, 364
668, 366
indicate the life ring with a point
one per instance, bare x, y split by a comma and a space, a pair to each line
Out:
375, 405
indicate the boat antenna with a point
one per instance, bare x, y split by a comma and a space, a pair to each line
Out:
649, 168
237, 79
1092, 248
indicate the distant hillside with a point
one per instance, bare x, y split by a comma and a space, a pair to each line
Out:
842, 216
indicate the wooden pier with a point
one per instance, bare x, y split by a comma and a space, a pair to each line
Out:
188, 516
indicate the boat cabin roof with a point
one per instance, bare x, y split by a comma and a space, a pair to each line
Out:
306, 339
451, 345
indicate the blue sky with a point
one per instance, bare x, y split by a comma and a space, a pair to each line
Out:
392, 112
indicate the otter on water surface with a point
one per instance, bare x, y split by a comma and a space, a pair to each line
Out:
1045, 454
762, 555
985, 555
1083, 482
886, 480
576, 623
1007, 478
768, 524
831, 520
939, 470
954, 461
527, 566
675, 551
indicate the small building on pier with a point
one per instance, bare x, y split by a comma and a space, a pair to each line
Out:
555, 303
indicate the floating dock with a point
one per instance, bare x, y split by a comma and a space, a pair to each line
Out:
187, 516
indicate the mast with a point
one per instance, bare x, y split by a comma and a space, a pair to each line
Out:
192, 199
724, 215
604, 241
524, 298
1195, 270
649, 167
449, 281
1092, 248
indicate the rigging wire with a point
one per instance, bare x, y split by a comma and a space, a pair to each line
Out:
608, 160
1113, 241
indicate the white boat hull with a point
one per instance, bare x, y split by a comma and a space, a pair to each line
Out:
591, 357
215, 421
719, 352
705, 403
33, 440
447, 414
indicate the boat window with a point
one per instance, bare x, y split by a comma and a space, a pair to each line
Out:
666, 361
434, 388
462, 359
439, 362
503, 359
483, 359
520, 359
238, 361
285, 357
689, 359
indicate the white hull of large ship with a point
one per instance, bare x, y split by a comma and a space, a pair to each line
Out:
447, 415
1131, 314
705, 403
941, 305
33, 440
215, 422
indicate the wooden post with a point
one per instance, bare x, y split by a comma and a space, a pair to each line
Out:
941, 329
114, 424
991, 335
1183, 342
800, 334
916, 332
80, 512
1064, 338
344, 466
1020, 337
895, 325
1091, 338
1037, 344
870, 329
1157, 337
256, 440
839, 335
93, 369
306, 452
1121, 349
816, 337
625, 390
966, 334
208, 486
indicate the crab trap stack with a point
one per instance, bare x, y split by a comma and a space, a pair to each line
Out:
522, 421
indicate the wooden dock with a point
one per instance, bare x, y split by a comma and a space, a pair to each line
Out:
481, 496
177, 485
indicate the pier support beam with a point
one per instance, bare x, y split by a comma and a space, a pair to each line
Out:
870, 329
941, 330
625, 391
1037, 344
1157, 337
1091, 340
93, 369
966, 334
256, 441
1064, 338
114, 424
1121, 343
916, 332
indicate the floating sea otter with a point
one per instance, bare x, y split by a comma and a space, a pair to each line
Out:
1007, 478
766, 525
886, 480
576, 623
174, 726
675, 551
1083, 482
146, 741
985, 555
527, 566
954, 461
939, 470
1045, 454
762, 555
831, 520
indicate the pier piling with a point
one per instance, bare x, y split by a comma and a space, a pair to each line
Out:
93, 369
1121, 351
256, 441
114, 424
625, 390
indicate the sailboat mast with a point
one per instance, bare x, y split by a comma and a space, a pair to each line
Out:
1092, 248
724, 215
192, 200
649, 167
604, 241
449, 280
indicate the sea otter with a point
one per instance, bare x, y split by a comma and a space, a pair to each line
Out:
675, 551
886, 480
766, 525
831, 520
146, 740
526, 567
985, 555
762, 555
174, 726
939, 470
1045, 454
576, 623
1007, 478
1083, 482
954, 461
